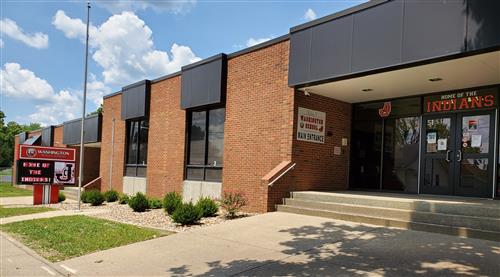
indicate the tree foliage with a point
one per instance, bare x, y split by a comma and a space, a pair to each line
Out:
7, 133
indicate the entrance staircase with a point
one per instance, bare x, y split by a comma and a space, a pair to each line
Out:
460, 216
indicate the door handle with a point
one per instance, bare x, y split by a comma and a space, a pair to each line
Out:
448, 156
459, 156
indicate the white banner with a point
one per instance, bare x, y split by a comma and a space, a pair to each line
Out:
311, 125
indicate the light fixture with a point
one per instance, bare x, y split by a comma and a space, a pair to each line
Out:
436, 79
307, 93
367, 89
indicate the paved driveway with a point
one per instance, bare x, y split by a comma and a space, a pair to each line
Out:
288, 244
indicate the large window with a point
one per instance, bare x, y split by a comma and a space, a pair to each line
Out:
205, 144
137, 148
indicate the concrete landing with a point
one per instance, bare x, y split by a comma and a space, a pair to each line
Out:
283, 244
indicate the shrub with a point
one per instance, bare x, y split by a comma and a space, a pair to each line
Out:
123, 198
85, 196
61, 197
139, 202
208, 207
111, 195
95, 198
171, 202
186, 214
155, 203
232, 203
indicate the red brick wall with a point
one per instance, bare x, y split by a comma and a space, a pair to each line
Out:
112, 109
259, 121
166, 137
58, 136
16, 157
317, 168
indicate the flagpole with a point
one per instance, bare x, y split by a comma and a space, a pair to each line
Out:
82, 150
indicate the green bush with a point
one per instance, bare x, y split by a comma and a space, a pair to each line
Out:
123, 198
61, 197
85, 196
171, 202
111, 195
207, 206
139, 202
186, 214
232, 203
95, 198
155, 203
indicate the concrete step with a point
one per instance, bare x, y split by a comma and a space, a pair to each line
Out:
445, 205
477, 222
71, 192
397, 223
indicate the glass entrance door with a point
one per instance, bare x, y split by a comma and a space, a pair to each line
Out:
457, 154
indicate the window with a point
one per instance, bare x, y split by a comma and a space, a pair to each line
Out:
137, 148
205, 144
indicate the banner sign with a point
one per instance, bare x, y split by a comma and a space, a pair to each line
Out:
46, 165
34, 172
461, 101
46, 153
311, 125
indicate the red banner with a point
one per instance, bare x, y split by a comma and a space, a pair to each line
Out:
46, 153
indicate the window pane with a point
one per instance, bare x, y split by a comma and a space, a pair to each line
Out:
143, 143
130, 171
213, 174
141, 171
216, 137
401, 147
197, 138
366, 151
476, 134
132, 142
194, 173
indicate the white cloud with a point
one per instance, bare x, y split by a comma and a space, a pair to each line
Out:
310, 15
62, 106
10, 29
124, 48
175, 7
22, 83
51, 107
255, 41
96, 90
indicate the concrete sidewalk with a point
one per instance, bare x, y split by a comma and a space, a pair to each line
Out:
288, 244
18, 200
18, 260
48, 215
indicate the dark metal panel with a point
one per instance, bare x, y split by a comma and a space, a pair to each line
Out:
204, 83
135, 100
433, 28
93, 128
299, 57
48, 136
483, 24
377, 36
331, 48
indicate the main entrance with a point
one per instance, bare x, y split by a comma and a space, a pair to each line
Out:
457, 154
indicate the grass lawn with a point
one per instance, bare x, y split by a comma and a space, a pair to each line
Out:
8, 190
64, 237
7, 171
6, 212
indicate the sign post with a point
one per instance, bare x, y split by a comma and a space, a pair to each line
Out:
45, 168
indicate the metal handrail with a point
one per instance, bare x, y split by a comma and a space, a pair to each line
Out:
91, 182
281, 175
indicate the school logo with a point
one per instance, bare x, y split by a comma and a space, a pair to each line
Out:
31, 152
385, 111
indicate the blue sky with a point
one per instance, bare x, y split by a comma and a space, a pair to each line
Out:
42, 49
